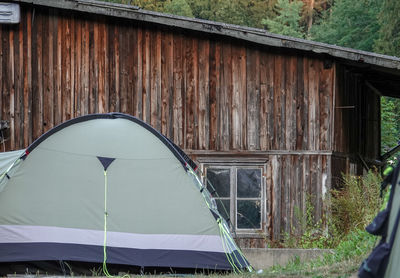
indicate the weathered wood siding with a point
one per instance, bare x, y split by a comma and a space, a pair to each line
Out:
205, 93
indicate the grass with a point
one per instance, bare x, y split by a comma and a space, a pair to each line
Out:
352, 208
343, 262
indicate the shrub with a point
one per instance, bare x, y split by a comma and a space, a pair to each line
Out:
355, 205
352, 208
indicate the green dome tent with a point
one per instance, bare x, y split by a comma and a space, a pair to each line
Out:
384, 259
108, 189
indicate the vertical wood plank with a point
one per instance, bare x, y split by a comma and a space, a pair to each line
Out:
78, 66
313, 91
253, 99
270, 100
300, 121
191, 86
239, 97
325, 104
146, 76
286, 185
278, 69
178, 90
291, 102
28, 79
11, 76
132, 68
138, 72
85, 68
5, 96
66, 77
123, 65
19, 112
305, 105
91, 81
264, 131
155, 84
47, 42
72, 107
225, 99
106, 53
277, 187
204, 74
59, 105
167, 84
37, 78
113, 54
101, 106
306, 184
3, 91
215, 86
296, 193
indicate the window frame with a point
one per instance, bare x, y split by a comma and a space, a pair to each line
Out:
233, 165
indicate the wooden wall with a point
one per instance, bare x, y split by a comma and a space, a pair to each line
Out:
356, 124
206, 93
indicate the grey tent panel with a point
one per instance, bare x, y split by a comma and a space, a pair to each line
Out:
111, 174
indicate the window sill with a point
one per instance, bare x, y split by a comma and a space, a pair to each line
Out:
250, 234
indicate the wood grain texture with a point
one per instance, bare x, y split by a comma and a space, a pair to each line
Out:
206, 93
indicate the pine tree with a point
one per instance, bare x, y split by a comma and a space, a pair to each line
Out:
287, 21
178, 7
388, 41
350, 23
389, 124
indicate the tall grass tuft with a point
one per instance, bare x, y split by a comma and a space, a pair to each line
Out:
355, 205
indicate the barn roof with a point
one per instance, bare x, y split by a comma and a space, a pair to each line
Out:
382, 71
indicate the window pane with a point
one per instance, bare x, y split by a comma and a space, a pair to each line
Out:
249, 183
220, 179
224, 212
248, 214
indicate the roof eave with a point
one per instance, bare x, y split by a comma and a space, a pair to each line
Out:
254, 35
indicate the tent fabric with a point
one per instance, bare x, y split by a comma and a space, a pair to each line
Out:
393, 268
8, 158
111, 178
383, 260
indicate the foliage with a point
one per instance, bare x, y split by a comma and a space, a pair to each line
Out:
345, 259
390, 126
152, 5
388, 41
287, 21
314, 233
312, 12
350, 23
178, 7
353, 207
239, 12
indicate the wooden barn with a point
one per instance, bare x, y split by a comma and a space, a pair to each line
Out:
272, 121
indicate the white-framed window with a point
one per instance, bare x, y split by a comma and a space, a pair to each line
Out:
239, 191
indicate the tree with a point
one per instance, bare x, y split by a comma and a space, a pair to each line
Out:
349, 23
389, 124
178, 7
312, 12
151, 5
287, 19
388, 41
239, 12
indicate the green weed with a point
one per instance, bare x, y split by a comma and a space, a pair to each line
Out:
353, 206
